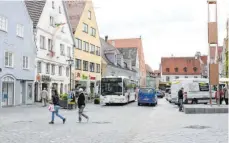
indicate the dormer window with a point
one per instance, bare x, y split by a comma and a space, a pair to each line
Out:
185, 69
167, 69
53, 6
195, 69
176, 69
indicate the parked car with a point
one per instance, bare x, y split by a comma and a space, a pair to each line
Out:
160, 94
196, 90
147, 96
167, 93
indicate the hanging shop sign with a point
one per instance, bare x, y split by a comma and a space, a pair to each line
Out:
84, 77
92, 77
45, 78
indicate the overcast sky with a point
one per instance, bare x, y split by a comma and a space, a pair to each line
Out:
167, 27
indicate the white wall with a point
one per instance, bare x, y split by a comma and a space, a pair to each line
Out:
172, 77
45, 29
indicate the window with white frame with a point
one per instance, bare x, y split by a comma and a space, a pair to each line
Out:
98, 51
62, 29
3, 23
62, 50
53, 69
25, 62
60, 70
53, 4
87, 47
92, 67
92, 50
59, 10
8, 59
85, 28
50, 44
38, 67
77, 64
51, 22
89, 14
42, 42
20, 30
78, 43
98, 68
67, 71
85, 65
93, 32
69, 51
47, 68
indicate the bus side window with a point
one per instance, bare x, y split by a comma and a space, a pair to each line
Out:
124, 86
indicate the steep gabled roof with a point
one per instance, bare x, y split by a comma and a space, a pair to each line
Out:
129, 53
75, 10
106, 46
35, 8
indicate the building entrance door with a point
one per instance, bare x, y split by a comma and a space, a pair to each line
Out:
8, 91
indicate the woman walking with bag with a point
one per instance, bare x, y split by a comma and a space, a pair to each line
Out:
55, 102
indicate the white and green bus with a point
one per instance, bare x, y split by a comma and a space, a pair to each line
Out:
117, 89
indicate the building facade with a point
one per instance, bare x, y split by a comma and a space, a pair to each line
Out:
225, 55
180, 67
150, 79
55, 42
117, 64
17, 54
87, 51
133, 43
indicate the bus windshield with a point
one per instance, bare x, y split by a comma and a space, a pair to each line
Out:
111, 86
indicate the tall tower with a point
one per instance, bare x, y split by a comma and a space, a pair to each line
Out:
213, 42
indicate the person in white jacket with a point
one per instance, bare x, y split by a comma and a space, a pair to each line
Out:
44, 96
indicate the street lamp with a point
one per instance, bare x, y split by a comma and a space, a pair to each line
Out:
70, 62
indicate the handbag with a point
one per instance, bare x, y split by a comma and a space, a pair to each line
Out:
51, 108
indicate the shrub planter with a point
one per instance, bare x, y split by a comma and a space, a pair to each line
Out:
96, 101
63, 103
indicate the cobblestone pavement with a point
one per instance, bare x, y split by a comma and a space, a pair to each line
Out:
113, 124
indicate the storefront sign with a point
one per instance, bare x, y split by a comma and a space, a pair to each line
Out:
92, 78
45, 78
84, 77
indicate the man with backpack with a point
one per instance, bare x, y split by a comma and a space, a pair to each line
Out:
81, 105
180, 98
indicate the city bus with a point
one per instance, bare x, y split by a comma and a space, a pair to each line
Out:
117, 89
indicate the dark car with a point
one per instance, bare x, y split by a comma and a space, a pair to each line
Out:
160, 94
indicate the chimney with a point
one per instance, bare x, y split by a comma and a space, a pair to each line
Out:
106, 38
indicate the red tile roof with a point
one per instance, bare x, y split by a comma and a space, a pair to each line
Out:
132, 43
180, 63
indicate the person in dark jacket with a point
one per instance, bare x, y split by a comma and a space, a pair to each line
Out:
81, 105
55, 102
180, 98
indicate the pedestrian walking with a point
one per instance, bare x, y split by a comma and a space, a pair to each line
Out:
81, 105
55, 102
44, 96
226, 95
180, 98
219, 96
